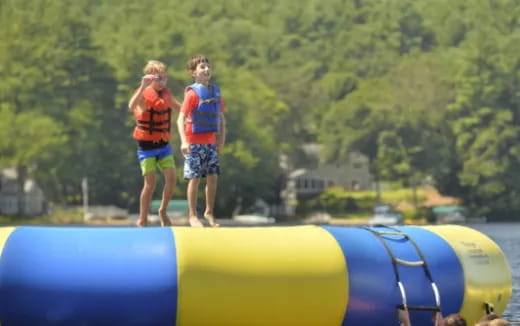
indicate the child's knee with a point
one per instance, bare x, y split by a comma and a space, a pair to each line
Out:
169, 181
147, 187
149, 181
194, 181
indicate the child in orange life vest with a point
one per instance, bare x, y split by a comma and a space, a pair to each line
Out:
152, 105
200, 121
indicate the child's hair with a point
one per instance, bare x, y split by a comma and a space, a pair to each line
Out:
454, 320
194, 61
154, 67
499, 322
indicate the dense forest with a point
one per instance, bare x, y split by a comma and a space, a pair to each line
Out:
423, 88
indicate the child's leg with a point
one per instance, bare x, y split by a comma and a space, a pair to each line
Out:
211, 190
192, 194
192, 173
169, 185
212, 171
146, 198
167, 165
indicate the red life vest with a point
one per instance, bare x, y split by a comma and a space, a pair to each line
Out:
153, 124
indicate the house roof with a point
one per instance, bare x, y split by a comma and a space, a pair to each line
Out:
9, 176
9, 173
312, 149
298, 173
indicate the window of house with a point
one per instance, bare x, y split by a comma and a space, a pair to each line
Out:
305, 184
357, 165
331, 183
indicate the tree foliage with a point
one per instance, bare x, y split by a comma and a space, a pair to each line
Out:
423, 88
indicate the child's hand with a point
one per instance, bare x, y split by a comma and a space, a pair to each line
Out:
437, 318
404, 317
147, 80
185, 148
168, 99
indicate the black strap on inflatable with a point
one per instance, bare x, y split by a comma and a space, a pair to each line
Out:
420, 308
388, 250
396, 232
489, 307
420, 263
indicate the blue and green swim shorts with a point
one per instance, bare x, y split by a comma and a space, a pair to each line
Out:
153, 159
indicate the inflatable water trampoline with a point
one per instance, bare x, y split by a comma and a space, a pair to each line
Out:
269, 276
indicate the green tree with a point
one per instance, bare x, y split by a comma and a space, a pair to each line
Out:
485, 123
26, 140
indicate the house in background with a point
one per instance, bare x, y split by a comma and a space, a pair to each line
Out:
311, 180
34, 199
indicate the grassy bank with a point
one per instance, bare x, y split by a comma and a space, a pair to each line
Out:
358, 205
59, 216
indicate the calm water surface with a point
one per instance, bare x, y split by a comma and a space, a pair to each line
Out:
507, 236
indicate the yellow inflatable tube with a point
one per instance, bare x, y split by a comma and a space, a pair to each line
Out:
487, 275
256, 277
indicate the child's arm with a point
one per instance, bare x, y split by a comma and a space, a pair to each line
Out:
138, 95
404, 317
190, 102
176, 104
222, 131
172, 102
181, 120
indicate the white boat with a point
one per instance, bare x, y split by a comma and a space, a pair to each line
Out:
383, 214
254, 219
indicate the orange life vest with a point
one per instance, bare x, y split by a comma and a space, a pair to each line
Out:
153, 124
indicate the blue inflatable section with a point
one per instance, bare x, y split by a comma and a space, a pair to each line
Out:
125, 272
373, 291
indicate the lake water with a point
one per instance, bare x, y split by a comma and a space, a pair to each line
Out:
507, 236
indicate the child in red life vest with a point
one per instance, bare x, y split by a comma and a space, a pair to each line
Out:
202, 130
152, 105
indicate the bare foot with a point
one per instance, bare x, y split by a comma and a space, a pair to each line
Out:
141, 223
165, 220
195, 222
211, 220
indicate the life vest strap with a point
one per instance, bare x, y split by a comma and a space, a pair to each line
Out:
205, 124
420, 308
150, 125
146, 122
210, 100
160, 111
154, 129
205, 114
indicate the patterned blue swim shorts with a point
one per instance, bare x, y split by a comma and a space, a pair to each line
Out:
201, 161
